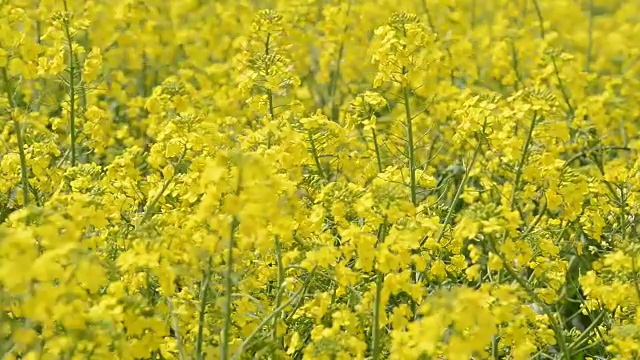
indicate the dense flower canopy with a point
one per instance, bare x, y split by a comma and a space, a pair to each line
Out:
319, 179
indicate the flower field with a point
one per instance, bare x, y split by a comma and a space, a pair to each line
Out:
319, 179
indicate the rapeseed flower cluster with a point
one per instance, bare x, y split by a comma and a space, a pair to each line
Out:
319, 179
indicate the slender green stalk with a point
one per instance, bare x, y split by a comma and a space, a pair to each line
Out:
375, 341
563, 90
278, 302
204, 293
623, 214
277, 239
72, 88
375, 346
305, 287
228, 281
523, 159
24, 175
587, 64
377, 305
176, 329
268, 319
494, 347
425, 8
634, 268
38, 41
540, 19
515, 63
622, 202
410, 148
449, 217
271, 108
557, 328
333, 85
269, 91
584, 336
410, 141
556, 70
228, 285
377, 149
314, 153
473, 13
266, 44
81, 87
335, 76
150, 208
143, 76
535, 221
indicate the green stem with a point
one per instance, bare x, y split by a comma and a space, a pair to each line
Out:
473, 14
24, 175
305, 286
204, 292
228, 284
537, 219
523, 159
563, 91
565, 350
410, 147
375, 346
270, 317
376, 317
176, 329
333, 86
377, 149
494, 347
82, 88
449, 217
149, 212
623, 215
587, 65
584, 336
314, 153
623, 234
634, 268
269, 91
72, 90
565, 95
278, 302
540, 19
143, 76
425, 8
335, 76
375, 341
515, 63
271, 108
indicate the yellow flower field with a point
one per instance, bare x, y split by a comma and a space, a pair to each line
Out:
319, 179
